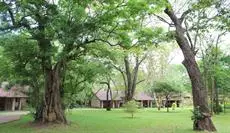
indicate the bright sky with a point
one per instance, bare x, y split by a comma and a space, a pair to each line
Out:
176, 56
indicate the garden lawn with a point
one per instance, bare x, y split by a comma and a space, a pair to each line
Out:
117, 121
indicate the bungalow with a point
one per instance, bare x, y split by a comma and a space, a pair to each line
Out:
99, 100
179, 99
12, 99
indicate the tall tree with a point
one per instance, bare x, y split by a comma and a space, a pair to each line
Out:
60, 31
189, 51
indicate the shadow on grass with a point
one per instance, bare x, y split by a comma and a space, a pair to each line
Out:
130, 118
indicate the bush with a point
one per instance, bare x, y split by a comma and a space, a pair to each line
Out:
197, 115
131, 107
217, 109
173, 106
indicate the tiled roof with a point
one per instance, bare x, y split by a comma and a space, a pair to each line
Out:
118, 95
11, 93
142, 96
102, 95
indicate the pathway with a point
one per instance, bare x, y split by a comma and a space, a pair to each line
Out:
11, 116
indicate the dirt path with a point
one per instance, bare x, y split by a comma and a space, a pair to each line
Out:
11, 116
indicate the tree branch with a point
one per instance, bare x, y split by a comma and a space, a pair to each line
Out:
184, 15
109, 43
163, 20
104, 83
140, 81
139, 62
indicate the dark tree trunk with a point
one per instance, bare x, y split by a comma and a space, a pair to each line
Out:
167, 102
217, 106
109, 102
131, 77
198, 89
211, 94
128, 95
109, 94
52, 109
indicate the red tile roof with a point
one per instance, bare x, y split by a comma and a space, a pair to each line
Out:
11, 93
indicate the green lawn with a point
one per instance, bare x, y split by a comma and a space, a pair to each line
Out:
117, 121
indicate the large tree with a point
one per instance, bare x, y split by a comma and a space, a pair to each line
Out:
189, 52
59, 30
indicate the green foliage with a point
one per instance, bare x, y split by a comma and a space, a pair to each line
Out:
131, 107
174, 106
197, 115
222, 72
177, 76
218, 108
164, 87
20, 65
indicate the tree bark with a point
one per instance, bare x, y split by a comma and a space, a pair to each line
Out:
157, 101
109, 102
52, 110
198, 89
131, 77
128, 95
211, 94
167, 102
217, 105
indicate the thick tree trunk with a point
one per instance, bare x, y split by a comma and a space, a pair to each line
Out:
198, 89
52, 109
128, 95
131, 78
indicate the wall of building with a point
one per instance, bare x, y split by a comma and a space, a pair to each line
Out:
23, 102
95, 102
187, 101
8, 104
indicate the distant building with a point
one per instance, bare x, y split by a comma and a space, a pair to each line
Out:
12, 99
184, 99
99, 100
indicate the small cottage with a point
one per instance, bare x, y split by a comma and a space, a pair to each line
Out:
12, 99
99, 100
179, 99
144, 100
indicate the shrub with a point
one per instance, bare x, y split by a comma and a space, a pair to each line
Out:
217, 109
173, 106
131, 107
197, 115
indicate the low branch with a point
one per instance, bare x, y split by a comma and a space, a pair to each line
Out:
140, 81
104, 83
219, 36
118, 68
184, 14
163, 20
109, 43
139, 62
122, 73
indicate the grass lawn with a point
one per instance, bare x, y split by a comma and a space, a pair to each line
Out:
117, 121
